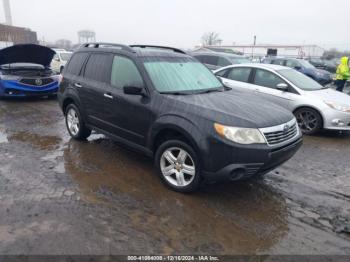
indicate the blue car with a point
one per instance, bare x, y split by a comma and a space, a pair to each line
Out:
25, 71
321, 76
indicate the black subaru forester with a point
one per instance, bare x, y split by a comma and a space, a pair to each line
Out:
166, 104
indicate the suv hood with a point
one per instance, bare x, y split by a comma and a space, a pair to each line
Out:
232, 108
28, 53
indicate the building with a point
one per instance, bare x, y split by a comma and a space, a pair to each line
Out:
86, 36
10, 35
297, 51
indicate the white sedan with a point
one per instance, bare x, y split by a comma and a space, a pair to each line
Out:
316, 107
60, 60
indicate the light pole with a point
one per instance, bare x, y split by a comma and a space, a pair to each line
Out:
7, 9
254, 43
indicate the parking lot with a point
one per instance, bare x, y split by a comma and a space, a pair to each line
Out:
59, 196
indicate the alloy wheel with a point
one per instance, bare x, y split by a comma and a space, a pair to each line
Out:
73, 122
307, 121
177, 167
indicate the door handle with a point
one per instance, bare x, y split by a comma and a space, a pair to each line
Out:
108, 96
78, 85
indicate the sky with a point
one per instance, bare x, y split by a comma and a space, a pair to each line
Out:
181, 23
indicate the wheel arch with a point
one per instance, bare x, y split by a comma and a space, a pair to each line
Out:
170, 127
313, 108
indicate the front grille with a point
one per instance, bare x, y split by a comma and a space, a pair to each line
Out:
282, 133
37, 81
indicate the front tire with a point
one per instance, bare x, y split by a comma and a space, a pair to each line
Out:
178, 166
309, 120
75, 124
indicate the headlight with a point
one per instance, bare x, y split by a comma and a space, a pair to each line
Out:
9, 77
239, 135
339, 107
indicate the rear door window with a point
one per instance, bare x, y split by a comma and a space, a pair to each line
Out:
125, 72
240, 74
98, 67
76, 63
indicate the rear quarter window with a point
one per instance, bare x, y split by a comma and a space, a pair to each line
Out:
76, 63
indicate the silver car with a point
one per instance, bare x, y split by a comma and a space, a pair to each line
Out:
315, 107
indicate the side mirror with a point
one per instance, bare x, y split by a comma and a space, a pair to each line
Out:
282, 87
134, 90
297, 68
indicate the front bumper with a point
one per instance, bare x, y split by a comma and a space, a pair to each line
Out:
336, 120
257, 161
16, 89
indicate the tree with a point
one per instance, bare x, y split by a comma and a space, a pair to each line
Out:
211, 38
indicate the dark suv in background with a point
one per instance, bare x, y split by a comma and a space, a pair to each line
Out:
166, 104
317, 62
216, 60
321, 76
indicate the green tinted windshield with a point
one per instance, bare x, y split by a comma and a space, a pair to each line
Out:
180, 75
300, 80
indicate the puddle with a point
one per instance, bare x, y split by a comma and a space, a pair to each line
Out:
38, 141
228, 218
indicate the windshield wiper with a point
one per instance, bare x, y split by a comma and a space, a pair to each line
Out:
212, 90
176, 93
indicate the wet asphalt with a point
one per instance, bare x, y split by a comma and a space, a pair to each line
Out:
59, 196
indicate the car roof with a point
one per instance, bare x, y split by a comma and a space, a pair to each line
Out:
255, 65
222, 54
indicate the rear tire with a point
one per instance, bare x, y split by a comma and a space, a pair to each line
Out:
75, 124
309, 120
178, 166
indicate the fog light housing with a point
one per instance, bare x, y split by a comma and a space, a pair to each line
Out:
338, 122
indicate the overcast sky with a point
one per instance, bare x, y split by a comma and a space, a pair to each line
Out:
181, 23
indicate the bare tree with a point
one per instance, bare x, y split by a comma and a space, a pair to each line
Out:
334, 53
211, 38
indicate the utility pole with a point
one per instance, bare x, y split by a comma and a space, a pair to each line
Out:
7, 9
254, 44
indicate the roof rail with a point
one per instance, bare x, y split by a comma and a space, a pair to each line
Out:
160, 47
108, 45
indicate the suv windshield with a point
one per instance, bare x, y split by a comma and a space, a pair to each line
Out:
300, 80
180, 75
306, 64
